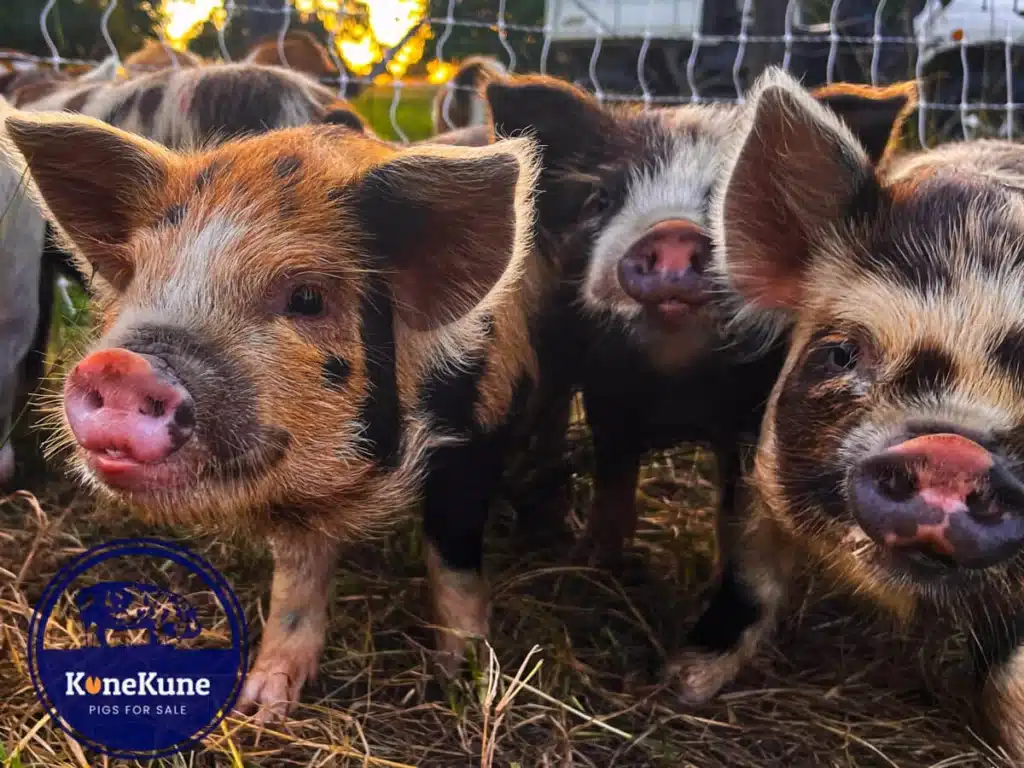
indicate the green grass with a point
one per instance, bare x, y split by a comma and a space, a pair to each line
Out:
412, 114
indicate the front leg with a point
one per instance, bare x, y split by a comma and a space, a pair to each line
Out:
293, 637
457, 492
742, 613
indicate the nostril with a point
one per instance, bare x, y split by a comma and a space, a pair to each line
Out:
649, 261
153, 407
185, 416
896, 481
94, 399
982, 506
701, 257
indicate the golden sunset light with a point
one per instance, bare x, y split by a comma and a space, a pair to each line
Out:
359, 46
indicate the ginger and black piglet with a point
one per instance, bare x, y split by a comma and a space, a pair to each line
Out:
624, 212
301, 333
891, 451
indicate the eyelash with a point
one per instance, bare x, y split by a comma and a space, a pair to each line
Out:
305, 301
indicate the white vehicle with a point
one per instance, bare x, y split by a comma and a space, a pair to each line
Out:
579, 20
946, 25
654, 37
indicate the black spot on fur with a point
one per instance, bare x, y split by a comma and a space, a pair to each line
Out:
120, 111
336, 371
174, 215
929, 369
149, 102
337, 196
451, 396
287, 166
233, 103
76, 102
381, 410
1008, 352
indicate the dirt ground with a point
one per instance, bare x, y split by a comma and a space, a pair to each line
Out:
836, 688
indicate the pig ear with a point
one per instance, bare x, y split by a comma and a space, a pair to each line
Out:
95, 180
874, 115
342, 114
794, 173
574, 134
450, 225
564, 118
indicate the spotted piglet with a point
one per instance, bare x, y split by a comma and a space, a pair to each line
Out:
625, 214
300, 333
891, 449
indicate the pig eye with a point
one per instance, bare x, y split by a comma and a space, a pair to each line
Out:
599, 201
841, 357
306, 301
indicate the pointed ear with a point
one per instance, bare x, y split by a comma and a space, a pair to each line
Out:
97, 182
562, 117
449, 224
795, 172
576, 135
341, 113
874, 115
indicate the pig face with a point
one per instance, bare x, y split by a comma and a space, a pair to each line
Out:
268, 308
627, 195
893, 439
625, 206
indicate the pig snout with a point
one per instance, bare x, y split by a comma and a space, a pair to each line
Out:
942, 495
666, 267
127, 409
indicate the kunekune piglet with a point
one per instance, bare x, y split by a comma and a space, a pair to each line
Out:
302, 333
624, 211
891, 451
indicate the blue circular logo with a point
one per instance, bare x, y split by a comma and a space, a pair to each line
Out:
160, 657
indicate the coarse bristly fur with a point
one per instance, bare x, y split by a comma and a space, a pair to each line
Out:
896, 286
310, 428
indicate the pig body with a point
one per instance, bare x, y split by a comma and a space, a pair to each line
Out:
277, 353
891, 445
194, 106
21, 246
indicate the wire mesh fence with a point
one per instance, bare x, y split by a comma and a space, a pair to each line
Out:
962, 53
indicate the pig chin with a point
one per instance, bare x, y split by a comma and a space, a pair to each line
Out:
672, 334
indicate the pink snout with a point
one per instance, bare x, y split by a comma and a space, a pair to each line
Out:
665, 268
944, 495
126, 410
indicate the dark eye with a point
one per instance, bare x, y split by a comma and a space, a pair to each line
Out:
600, 200
840, 357
306, 301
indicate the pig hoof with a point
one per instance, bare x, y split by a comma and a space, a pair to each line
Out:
700, 676
273, 686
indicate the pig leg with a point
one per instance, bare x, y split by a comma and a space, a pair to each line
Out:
545, 498
742, 612
1000, 663
293, 637
458, 488
613, 517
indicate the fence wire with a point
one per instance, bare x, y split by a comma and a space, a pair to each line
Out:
962, 53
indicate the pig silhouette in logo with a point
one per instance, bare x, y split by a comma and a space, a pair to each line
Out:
126, 605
